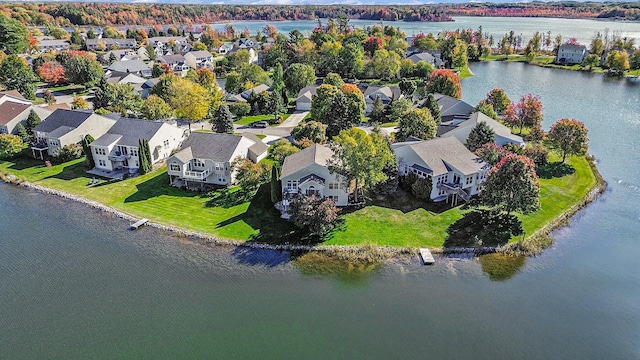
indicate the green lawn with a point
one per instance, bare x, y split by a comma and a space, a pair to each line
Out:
399, 220
248, 120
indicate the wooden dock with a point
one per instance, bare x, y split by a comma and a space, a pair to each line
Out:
138, 224
427, 258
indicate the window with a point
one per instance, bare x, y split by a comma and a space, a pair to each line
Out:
332, 197
222, 179
3, 130
134, 152
468, 180
174, 167
102, 163
334, 186
166, 144
292, 184
198, 163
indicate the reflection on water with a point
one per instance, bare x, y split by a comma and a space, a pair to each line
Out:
501, 267
344, 271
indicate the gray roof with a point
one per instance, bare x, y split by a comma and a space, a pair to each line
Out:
462, 130
62, 117
385, 92
106, 140
259, 147
316, 154
129, 66
171, 58
131, 131
200, 53
214, 146
9, 110
440, 153
450, 106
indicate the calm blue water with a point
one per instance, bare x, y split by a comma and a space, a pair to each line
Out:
75, 284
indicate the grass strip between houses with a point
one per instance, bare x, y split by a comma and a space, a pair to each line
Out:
387, 224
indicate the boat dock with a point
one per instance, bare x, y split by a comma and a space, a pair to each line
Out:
138, 224
427, 258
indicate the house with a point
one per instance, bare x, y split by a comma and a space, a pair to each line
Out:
386, 94
436, 61
53, 45
246, 43
177, 63
460, 129
455, 171
65, 127
224, 48
450, 107
109, 43
206, 158
137, 67
123, 55
305, 96
13, 95
306, 173
571, 53
13, 113
199, 59
253, 54
117, 151
245, 95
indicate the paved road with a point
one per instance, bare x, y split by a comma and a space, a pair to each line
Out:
293, 119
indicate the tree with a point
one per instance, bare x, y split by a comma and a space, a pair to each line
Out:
491, 153
385, 64
83, 70
529, 111
597, 45
79, 103
322, 102
357, 105
51, 72
445, 82
312, 130
124, 99
86, 141
154, 108
512, 185
333, 79
372, 44
634, 61
486, 108
223, 120
314, 214
338, 118
407, 87
481, 134
591, 61
618, 61
48, 97
67, 153
234, 83
15, 74
249, 176
281, 149
378, 112
432, 104
10, 145
569, 137
276, 184
418, 123
398, 108
14, 36
190, 101
360, 158
421, 188
351, 61
101, 95
459, 56
277, 83
297, 76
32, 121
144, 157
499, 100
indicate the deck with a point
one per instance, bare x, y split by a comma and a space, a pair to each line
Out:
427, 258
138, 224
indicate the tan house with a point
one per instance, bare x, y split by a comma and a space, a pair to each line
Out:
13, 113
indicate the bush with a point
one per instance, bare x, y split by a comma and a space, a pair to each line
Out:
276, 121
10, 146
68, 153
312, 130
407, 181
421, 188
314, 214
240, 109
538, 154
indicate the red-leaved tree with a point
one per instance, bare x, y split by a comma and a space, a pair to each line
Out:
52, 72
445, 82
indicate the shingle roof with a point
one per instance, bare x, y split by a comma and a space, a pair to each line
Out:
217, 147
452, 106
14, 93
9, 110
258, 147
132, 130
462, 130
62, 117
106, 140
129, 66
200, 53
440, 153
316, 154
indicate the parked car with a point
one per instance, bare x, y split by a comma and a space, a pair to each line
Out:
261, 124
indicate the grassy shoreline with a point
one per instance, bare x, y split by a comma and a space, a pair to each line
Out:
381, 224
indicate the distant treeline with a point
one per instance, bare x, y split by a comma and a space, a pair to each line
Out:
101, 14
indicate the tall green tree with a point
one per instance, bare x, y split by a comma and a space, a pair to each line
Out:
418, 123
15, 74
499, 100
322, 102
480, 134
86, 141
486, 108
432, 104
512, 185
297, 76
14, 36
277, 79
407, 87
32, 121
276, 185
82, 70
101, 95
154, 108
223, 120
144, 156
378, 112
569, 137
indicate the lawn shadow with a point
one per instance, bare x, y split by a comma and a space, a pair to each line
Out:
24, 161
252, 257
554, 170
157, 186
405, 202
226, 198
71, 172
479, 228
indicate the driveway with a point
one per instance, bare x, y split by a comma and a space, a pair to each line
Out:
293, 119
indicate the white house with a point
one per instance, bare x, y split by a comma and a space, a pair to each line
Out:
436, 61
13, 113
571, 53
177, 63
53, 45
455, 171
109, 43
306, 173
118, 149
199, 59
206, 158
244, 96
224, 48
66, 127
460, 128
305, 96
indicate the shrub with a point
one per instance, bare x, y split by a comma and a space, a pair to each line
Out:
491, 153
421, 188
68, 153
314, 214
240, 109
483, 228
407, 181
538, 154
10, 146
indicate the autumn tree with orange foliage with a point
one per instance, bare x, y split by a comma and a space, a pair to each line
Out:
52, 72
444, 82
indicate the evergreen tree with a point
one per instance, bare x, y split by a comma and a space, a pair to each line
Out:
276, 187
32, 121
481, 134
144, 155
377, 114
22, 132
223, 120
432, 104
90, 162
102, 96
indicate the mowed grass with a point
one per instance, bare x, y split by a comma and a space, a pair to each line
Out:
399, 220
248, 120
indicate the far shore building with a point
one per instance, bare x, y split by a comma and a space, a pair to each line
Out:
66, 127
117, 151
205, 159
455, 172
460, 128
306, 173
571, 53
109, 43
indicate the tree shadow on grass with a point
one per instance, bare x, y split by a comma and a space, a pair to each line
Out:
554, 170
405, 201
157, 186
71, 172
24, 161
480, 228
227, 198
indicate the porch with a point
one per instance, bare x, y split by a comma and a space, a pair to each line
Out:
117, 174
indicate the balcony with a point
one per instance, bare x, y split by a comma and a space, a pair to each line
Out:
197, 174
41, 146
118, 156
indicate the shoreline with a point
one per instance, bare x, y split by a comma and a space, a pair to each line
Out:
530, 246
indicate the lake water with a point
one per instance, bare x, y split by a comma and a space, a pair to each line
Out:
75, 284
